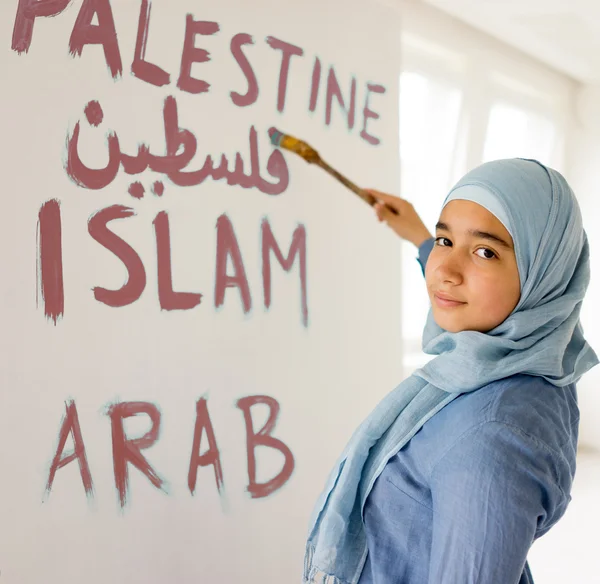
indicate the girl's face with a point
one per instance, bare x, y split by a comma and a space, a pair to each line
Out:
471, 274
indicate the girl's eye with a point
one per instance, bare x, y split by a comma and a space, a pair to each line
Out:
488, 254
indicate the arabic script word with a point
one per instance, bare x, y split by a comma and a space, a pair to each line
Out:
181, 147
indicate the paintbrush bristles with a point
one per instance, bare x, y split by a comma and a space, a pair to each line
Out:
292, 144
300, 148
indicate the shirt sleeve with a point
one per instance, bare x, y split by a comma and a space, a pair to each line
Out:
424, 251
492, 491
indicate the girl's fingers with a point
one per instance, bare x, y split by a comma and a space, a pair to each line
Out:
383, 213
382, 196
391, 200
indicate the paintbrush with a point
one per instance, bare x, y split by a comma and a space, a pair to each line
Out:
311, 156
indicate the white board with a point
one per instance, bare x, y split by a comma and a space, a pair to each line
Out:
142, 367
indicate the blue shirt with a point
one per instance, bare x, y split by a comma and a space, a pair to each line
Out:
464, 500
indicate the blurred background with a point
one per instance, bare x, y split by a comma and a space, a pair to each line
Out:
486, 79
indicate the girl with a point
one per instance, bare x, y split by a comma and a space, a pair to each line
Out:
460, 468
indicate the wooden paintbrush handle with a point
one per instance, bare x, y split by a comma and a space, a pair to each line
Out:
310, 155
368, 198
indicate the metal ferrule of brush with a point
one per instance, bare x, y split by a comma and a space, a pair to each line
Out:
292, 144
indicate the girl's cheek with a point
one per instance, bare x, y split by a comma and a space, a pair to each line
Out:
428, 273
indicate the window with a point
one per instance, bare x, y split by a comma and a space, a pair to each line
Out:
515, 132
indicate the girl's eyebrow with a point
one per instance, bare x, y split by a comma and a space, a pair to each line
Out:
477, 233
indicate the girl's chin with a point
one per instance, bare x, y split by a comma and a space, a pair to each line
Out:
458, 327
451, 325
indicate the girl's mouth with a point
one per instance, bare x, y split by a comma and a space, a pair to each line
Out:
444, 301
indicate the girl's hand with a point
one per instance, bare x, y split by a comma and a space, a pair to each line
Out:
407, 224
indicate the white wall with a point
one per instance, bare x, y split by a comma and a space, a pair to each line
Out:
324, 375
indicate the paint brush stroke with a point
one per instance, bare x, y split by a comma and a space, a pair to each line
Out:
50, 274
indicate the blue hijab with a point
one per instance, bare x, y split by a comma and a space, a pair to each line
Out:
542, 337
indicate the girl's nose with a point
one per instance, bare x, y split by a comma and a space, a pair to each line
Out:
450, 269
